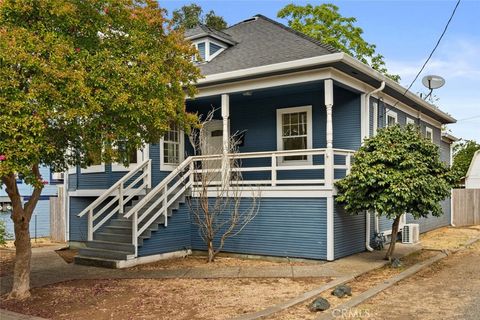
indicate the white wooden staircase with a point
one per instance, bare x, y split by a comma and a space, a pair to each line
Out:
129, 212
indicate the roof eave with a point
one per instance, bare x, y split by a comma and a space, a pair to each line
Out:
290, 66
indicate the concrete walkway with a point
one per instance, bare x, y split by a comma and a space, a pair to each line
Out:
49, 268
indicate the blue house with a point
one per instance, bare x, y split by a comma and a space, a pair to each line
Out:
40, 222
303, 107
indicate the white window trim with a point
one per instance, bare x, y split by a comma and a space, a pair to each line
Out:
429, 130
120, 167
409, 120
170, 167
393, 114
94, 169
207, 42
282, 111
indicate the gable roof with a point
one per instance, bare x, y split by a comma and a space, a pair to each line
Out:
201, 31
261, 41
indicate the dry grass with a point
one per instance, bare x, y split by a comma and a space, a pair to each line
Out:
359, 285
36, 243
159, 299
449, 237
220, 262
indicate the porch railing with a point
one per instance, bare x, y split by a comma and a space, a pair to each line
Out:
279, 168
134, 183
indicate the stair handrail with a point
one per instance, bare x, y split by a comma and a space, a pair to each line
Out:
115, 186
159, 187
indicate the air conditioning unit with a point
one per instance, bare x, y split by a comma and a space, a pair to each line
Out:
411, 233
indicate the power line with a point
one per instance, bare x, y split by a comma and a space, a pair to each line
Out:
434, 48
469, 118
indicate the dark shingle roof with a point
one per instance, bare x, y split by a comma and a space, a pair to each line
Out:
202, 31
262, 41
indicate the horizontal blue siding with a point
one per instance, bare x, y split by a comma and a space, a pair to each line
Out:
445, 152
431, 222
39, 223
78, 226
174, 237
293, 227
349, 231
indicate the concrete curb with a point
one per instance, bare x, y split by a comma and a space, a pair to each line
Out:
386, 284
287, 304
9, 315
391, 281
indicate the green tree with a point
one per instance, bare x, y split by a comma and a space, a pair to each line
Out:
78, 77
395, 172
463, 152
327, 25
189, 16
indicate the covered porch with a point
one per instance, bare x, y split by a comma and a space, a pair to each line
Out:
287, 138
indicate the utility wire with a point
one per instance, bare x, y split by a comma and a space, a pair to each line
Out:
434, 48
469, 118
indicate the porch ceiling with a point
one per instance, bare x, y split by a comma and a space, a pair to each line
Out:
259, 94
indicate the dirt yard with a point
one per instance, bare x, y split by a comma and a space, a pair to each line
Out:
220, 262
443, 238
359, 285
449, 289
7, 260
159, 299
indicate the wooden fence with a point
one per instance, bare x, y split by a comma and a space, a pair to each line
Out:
466, 207
57, 216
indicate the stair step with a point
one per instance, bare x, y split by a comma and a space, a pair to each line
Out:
105, 254
121, 222
126, 247
96, 262
112, 237
119, 230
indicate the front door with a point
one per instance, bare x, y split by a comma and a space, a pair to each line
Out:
212, 144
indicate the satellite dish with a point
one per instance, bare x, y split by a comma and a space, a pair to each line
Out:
433, 82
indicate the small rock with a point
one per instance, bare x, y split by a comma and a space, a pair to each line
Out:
319, 304
396, 263
342, 291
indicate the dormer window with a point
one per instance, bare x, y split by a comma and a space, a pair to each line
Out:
209, 48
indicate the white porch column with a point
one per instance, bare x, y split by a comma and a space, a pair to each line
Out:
226, 137
225, 116
329, 168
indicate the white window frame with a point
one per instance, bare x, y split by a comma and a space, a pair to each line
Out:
392, 114
207, 42
409, 120
427, 131
181, 155
280, 113
120, 167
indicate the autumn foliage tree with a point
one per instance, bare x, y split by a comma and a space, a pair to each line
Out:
325, 23
77, 76
396, 172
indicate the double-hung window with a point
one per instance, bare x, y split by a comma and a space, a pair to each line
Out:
392, 118
294, 132
429, 133
171, 150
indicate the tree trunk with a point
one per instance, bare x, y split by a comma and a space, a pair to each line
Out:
23, 254
211, 251
393, 240
21, 215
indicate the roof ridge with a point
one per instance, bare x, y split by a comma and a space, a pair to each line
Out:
295, 32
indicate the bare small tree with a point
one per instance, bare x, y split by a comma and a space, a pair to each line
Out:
216, 199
